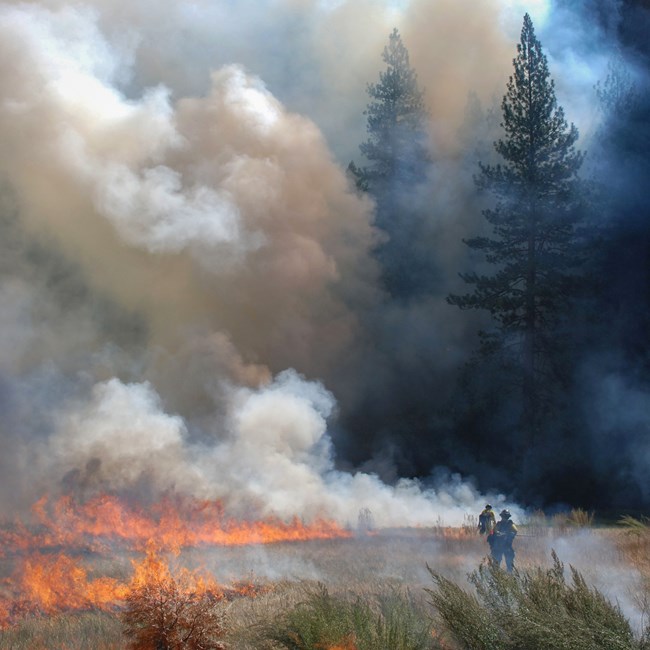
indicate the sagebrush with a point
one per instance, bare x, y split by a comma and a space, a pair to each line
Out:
536, 609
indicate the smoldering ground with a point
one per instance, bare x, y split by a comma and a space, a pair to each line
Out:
188, 276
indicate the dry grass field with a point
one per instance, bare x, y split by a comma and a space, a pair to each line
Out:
368, 570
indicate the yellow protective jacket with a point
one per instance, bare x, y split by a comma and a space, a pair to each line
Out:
486, 522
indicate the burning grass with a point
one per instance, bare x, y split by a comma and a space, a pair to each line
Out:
180, 612
99, 523
348, 592
88, 557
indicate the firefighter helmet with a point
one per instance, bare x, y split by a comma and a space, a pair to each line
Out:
505, 513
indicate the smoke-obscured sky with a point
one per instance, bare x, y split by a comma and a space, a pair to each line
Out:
186, 272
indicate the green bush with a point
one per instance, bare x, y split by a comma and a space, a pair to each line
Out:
531, 610
392, 621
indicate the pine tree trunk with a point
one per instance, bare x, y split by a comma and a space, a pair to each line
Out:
530, 331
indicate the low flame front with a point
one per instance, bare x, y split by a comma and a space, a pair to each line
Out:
45, 577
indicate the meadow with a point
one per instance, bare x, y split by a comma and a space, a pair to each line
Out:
401, 589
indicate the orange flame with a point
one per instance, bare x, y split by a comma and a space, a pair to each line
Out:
174, 524
47, 579
53, 581
48, 584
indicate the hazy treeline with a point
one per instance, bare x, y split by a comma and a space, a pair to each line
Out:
590, 354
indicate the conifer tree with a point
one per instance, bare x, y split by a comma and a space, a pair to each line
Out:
622, 173
397, 163
534, 246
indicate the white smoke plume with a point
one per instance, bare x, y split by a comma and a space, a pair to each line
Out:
275, 459
149, 161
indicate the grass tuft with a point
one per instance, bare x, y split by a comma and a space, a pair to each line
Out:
97, 630
574, 519
392, 620
635, 526
535, 609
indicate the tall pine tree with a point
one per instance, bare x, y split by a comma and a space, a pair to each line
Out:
397, 166
534, 248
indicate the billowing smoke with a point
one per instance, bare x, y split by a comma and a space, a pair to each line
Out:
224, 242
274, 458
190, 295
153, 199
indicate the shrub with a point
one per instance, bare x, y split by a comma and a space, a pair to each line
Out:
325, 621
577, 518
536, 610
164, 612
164, 617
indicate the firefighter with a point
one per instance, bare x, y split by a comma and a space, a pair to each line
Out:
486, 521
501, 541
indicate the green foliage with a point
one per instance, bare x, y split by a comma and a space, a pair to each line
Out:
532, 226
464, 616
396, 122
396, 170
391, 621
617, 93
535, 610
534, 248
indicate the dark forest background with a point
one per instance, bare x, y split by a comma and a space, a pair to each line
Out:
552, 400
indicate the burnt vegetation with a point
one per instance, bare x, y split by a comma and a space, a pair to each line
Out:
163, 615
